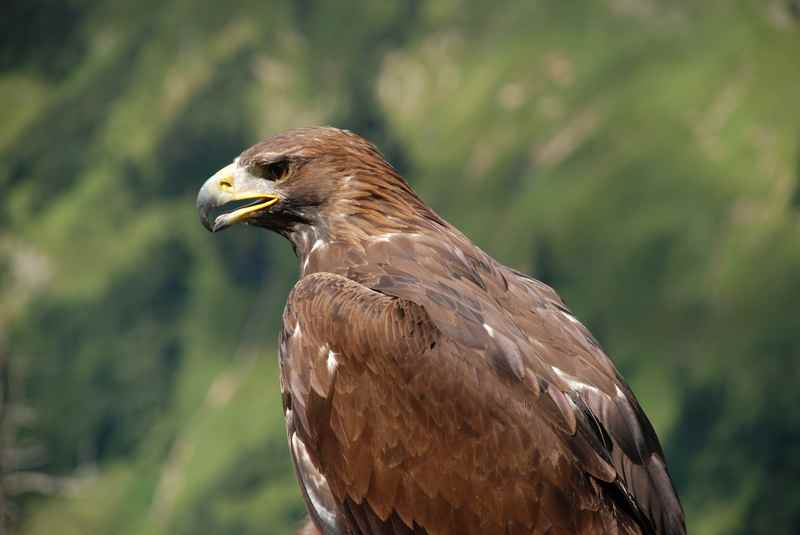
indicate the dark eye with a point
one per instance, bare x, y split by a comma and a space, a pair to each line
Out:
273, 172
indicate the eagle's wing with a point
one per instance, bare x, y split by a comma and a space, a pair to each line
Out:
522, 328
415, 431
589, 378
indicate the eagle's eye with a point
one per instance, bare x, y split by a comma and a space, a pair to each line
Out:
273, 172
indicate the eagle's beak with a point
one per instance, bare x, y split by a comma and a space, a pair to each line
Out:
231, 196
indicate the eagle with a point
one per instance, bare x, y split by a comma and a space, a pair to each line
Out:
427, 388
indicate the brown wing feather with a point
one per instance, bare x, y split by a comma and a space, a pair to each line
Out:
523, 332
414, 425
533, 334
628, 437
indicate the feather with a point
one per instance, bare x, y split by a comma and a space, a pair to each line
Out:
429, 388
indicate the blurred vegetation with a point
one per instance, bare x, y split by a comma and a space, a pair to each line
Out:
642, 156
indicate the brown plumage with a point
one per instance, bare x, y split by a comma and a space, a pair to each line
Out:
427, 388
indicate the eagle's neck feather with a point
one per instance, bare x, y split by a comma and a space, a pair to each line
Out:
371, 205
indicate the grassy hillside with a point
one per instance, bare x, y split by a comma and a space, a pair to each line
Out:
641, 156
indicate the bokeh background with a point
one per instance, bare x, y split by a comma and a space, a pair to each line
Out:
642, 156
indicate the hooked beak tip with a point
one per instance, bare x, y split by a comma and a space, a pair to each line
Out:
205, 204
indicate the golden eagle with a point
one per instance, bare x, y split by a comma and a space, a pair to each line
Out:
427, 388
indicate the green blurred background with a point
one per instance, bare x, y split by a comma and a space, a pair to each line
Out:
642, 156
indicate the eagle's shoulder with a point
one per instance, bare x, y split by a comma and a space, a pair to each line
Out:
345, 314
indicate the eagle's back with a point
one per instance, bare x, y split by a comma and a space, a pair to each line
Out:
471, 399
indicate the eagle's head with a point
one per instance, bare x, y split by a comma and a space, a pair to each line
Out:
307, 178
